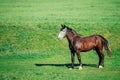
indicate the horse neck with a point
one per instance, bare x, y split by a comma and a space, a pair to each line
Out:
70, 35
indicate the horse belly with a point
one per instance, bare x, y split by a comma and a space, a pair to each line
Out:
83, 47
88, 46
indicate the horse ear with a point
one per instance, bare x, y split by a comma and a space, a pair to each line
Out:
65, 25
62, 25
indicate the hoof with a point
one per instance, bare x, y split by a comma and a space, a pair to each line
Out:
100, 66
80, 68
70, 68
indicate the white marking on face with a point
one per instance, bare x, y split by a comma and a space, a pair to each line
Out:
62, 34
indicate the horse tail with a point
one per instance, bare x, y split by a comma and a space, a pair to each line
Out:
107, 47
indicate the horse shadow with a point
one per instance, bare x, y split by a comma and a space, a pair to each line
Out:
65, 65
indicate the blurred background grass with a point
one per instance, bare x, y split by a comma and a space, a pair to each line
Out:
29, 30
34, 26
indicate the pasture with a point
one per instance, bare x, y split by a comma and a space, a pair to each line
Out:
30, 50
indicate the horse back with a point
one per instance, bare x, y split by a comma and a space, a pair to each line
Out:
86, 43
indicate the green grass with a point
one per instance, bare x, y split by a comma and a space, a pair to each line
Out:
30, 50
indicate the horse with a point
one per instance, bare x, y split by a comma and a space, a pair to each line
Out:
79, 43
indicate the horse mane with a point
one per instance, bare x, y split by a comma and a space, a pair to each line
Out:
73, 31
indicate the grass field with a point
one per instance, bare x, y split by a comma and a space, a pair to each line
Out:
30, 50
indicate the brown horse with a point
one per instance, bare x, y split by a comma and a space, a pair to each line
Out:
78, 43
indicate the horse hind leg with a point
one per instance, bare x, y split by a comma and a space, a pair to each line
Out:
101, 58
101, 61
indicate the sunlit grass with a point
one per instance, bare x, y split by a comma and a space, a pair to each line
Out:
30, 50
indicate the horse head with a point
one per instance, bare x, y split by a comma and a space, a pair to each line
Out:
63, 32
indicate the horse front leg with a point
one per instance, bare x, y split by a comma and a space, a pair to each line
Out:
72, 60
79, 59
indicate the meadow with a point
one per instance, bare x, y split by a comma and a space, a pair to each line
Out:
30, 50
